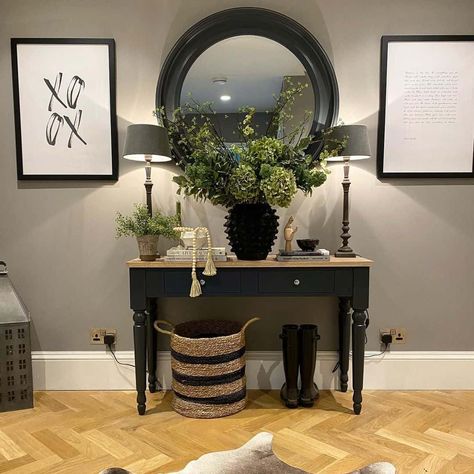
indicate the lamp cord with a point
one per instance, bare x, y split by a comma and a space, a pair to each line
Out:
159, 386
116, 360
384, 350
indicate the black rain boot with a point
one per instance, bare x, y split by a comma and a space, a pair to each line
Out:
308, 345
289, 391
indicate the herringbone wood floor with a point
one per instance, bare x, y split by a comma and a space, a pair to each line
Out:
84, 432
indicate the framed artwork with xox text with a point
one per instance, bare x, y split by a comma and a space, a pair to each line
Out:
65, 116
426, 118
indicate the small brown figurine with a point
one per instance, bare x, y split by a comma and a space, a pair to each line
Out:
289, 234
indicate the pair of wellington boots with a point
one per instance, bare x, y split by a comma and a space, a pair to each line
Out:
299, 346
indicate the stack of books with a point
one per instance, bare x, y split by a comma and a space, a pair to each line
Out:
180, 254
321, 255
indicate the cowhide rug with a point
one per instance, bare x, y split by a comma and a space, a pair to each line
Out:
254, 457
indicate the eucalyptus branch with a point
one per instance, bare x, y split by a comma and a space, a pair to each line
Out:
216, 133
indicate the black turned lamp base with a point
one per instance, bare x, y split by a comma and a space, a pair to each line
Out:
345, 252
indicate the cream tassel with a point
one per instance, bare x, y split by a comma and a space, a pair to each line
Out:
210, 269
195, 286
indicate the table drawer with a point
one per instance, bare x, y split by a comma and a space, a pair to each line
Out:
296, 281
178, 282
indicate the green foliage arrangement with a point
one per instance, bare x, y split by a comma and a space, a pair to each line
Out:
140, 223
263, 167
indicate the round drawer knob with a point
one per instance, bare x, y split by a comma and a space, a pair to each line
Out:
296, 282
203, 282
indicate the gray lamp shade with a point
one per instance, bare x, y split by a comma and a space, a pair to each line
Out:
147, 140
357, 146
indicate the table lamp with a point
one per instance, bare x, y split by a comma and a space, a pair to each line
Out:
149, 144
356, 148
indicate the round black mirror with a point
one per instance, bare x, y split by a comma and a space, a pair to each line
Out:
246, 57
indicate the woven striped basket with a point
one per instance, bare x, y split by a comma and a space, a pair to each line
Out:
208, 365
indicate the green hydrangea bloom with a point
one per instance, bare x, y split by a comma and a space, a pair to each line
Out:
265, 170
243, 184
280, 187
317, 177
263, 150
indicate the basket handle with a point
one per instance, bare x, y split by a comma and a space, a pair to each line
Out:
157, 323
248, 323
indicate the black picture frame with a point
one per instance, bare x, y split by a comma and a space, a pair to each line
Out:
260, 22
385, 41
110, 43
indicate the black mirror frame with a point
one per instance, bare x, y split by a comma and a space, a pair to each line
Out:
259, 22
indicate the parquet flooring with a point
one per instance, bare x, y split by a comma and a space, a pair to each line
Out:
84, 432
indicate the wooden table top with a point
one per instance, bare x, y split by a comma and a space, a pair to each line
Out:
270, 262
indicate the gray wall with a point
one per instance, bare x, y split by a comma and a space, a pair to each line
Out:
59, 238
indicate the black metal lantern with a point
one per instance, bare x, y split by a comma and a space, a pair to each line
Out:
16, 380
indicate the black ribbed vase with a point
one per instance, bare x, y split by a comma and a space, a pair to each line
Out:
251, 230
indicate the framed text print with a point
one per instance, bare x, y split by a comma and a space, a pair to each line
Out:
426, 119
65, 118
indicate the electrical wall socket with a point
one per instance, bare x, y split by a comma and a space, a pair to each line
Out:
399, 335
96, 335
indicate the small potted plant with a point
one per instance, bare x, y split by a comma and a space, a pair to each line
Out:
147, 229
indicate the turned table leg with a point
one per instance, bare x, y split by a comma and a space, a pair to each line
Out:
139, 339
358, 349
344, 340
152, 346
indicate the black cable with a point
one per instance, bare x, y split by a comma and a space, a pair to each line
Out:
380, 353
367, 322
365, 356
160, 387
116, 360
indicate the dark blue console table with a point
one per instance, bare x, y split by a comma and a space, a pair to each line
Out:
346, 278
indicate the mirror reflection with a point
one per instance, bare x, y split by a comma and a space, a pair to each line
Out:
247, 71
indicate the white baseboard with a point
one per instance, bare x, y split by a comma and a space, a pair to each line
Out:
409, 370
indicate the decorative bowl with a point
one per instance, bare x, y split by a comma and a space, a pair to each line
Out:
187, 239
307, 245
